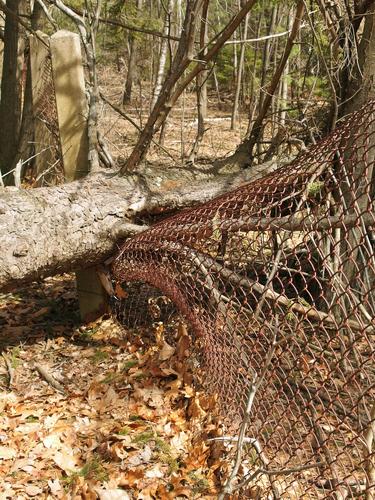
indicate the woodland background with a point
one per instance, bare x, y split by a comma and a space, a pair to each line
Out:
186, 100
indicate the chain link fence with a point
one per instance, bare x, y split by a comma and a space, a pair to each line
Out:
49, 158
277, 280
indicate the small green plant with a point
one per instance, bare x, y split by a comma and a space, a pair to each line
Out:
134, 418
129, 364
32, 418
144, 437
110, 377
88, 333
291, 317
161, 447
304, 302
99, 356
14, 357
165, 455
93, 469
125, 431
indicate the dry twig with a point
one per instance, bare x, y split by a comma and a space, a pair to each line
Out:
49, 378
10, 369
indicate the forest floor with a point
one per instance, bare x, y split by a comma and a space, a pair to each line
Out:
96, 410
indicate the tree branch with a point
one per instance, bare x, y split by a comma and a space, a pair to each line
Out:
127, 26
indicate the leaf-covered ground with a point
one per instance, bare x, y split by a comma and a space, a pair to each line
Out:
95, 410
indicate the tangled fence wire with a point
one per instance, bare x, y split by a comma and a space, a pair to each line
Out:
277, 280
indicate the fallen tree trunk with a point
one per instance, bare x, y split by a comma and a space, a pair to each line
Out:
47, 231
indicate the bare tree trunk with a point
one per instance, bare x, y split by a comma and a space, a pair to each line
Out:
285, 80
163, 55
266, 55
253, 93
234, 118
133, 56
201, 87
244, 153
10, 102
25, 146
217, 89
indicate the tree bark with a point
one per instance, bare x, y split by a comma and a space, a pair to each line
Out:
360, 87
26, 133
201, 87
10, 102
47, 231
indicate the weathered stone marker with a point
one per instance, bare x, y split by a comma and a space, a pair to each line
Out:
69, 80
71, 106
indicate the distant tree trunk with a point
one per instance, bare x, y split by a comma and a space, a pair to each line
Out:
201, 86
163, 55
127, 95
253, 72
285, 80
10, 101
234, 118
235, 62
266, 55
216, 82
25, 147
244, 153
133, 56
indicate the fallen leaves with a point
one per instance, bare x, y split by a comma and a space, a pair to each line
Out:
128, 423
7, 453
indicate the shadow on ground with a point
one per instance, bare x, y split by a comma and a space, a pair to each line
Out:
39, 311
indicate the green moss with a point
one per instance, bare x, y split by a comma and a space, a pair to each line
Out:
14, 357
144, 437
92, 469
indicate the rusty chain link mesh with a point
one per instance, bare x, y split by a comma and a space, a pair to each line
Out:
50, 167
277, 280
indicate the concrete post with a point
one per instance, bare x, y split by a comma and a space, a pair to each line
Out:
69, 84
69, 80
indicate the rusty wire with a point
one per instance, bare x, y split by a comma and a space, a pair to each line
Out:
48, 144
289, 258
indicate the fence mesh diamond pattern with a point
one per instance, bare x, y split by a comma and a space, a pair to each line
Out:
278, 278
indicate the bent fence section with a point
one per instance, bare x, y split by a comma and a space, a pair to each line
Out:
277, 280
